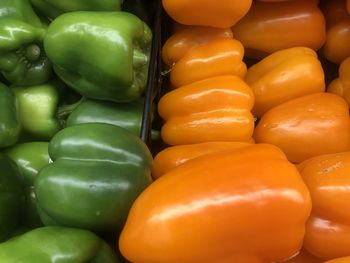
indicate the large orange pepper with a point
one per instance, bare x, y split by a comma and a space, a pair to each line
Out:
285, 75
339, 260
174, 156
189, 37
341, 85
269, 27
215, 109
304, 257
222, 14
242, 206
308, 126
328, 229
216, 58
334, 11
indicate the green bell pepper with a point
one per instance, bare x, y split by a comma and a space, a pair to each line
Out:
11, 197
57, 245
98, 171
30, 159
102, 55
10, 126
54, 8
22, 57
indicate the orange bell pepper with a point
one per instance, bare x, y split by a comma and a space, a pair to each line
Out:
215, 109
304, 257
334, 12
328, 229
269, 27
216, 58
308, 126
341, 85
172, 157
248, 205
285, 75
188, 38
348, 6
339, 260
222, 14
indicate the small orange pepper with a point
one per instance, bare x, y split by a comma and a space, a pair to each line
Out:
285, 75
189, 37
215, 109
269, 27
328, 229
308, 126
341, 85
174, 156
216, 58
221, 14
304, 257
248, 205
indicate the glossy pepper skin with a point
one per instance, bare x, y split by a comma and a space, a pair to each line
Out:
328, 228
188, 38
232, 199
308, 126
304, 257
53, 244
98, 170
54, 8
30, 159
11, 197
223, 14
216, 58
269, 27
339, 260
113, 63
215, 109
172, 157
341, 85
286, 74
10, 125
22, 57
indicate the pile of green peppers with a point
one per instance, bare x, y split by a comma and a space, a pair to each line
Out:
72, 78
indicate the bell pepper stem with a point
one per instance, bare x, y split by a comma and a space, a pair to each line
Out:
65, 110
32, 52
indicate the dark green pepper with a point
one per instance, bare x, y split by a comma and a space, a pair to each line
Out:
54, 8
57, 244
30, 159
10, 126
98, 171
11, 197
102, 55
22, 57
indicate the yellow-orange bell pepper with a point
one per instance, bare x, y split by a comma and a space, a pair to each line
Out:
339, 260
341, 85
188, 38
215, 109
328, 229
174, 156
304, 257
216, 58
248, 205
285, 75
222, 14
269, 27
308, 126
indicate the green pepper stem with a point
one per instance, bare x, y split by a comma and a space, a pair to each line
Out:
32, 52
139, 59
64, 111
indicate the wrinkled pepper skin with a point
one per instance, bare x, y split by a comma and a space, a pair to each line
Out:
57, 244
232, 199
113, 63
188, 38
216, 58
286, 74
223, 14
54, 8
172, 157
215, 109
22, 57
10, 126
304, 257
339, 260
102, 167
328, 229
341, 85
269, 27
11, 197
37, 107
308, 126
30, 159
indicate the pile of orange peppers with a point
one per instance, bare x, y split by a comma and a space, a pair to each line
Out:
257, 168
